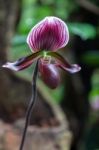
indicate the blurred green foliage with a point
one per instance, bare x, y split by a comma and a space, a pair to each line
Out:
92, 138
35, 10
91, 58
84, 30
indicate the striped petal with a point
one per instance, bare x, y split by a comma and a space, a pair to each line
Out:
22, 63
64, 64
49, 34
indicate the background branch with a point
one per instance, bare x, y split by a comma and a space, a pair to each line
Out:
89, 6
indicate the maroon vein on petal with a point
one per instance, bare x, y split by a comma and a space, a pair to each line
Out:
49, 34
64, 64
22, 63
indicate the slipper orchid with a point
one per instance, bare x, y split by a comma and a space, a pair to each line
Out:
44, 40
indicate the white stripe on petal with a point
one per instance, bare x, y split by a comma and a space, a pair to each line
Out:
49, 34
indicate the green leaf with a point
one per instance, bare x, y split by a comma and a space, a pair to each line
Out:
19, 40
91, 58
84, 30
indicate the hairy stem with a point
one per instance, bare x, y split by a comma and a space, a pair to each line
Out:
31, 104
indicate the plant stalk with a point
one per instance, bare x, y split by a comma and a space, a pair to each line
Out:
31, 104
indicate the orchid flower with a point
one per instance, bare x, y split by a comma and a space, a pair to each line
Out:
44, 39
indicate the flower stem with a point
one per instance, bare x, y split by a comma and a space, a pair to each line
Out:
31, 104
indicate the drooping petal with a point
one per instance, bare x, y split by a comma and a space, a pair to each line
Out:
22, 63
64, 64
49, 34
49, 74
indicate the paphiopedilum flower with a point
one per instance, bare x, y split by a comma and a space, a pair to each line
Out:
44, 39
